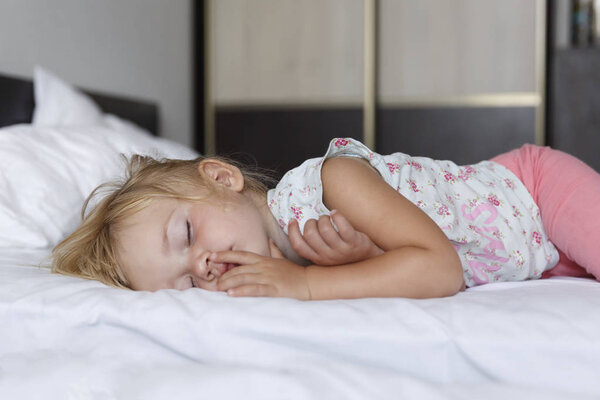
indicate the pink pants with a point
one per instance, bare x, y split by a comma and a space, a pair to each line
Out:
567, 192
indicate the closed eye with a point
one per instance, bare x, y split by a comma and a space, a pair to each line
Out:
189, 232
192, 280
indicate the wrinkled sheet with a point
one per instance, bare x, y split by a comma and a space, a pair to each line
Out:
67, 338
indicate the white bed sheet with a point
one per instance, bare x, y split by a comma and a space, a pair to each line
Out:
64, 338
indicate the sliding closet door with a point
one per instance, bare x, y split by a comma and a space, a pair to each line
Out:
284, 77
451, 79
460, 79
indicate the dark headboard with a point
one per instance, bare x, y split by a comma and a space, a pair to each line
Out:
16, 105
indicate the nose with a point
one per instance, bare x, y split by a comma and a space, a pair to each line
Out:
204, 269
199, 266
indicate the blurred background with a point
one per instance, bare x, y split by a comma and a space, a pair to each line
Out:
274, 80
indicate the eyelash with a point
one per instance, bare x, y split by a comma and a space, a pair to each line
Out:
189, 233
188, 228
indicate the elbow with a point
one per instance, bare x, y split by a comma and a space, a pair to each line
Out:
451, 277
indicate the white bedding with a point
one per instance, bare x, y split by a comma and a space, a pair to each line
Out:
67, 338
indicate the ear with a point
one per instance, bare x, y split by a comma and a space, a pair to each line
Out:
222, 173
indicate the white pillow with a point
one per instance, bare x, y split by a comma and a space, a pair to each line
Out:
48, 172
59, 104
48, 168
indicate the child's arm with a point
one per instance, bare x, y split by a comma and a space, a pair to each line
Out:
323, 245
419, 261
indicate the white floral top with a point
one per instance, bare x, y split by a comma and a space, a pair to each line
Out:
484, 209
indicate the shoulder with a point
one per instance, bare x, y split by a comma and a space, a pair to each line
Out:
338, 167
348, 179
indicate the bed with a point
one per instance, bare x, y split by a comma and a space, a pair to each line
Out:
68, 338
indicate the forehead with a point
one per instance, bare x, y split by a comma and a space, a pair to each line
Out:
147, 216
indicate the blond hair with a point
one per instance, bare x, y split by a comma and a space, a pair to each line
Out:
90, 251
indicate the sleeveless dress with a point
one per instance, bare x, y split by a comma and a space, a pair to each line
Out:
484, 209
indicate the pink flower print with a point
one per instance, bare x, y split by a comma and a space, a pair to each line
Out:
449, 199
420, 204
519, 259
306, 190
498, 235
281, 223
449, 177
415, 164
493, 199
462, 240
537, 237
516, 212
509, 183
413, 185
297, 211
371, 155
340, 142
393, 167
443, 210
272, 203
465, 173
473, 203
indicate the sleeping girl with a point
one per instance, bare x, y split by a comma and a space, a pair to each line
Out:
351, 224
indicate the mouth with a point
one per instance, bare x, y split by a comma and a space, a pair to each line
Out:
224, 268
229, 267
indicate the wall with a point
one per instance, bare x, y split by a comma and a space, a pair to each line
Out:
139, 48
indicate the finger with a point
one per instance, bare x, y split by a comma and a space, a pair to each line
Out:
235, 257
328, 233
313, 237
253, 290
275, 252
345, 228
298, 243
242, 269
238, 277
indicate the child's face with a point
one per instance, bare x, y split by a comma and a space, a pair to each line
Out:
167, 244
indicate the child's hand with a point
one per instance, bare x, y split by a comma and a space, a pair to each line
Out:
262, 276
323, 245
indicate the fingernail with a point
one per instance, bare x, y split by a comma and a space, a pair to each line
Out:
230, 292
333, 212
212, 256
